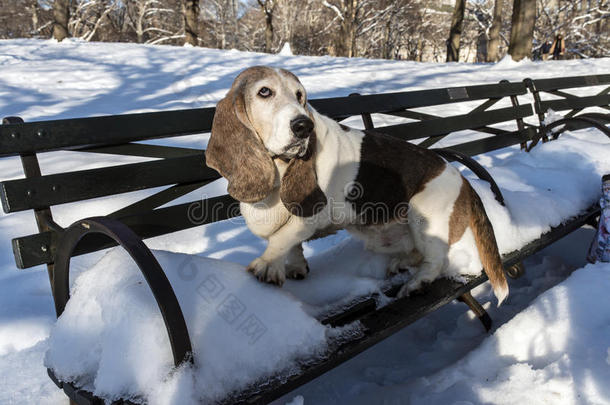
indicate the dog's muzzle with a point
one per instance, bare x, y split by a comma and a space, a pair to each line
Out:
301, 126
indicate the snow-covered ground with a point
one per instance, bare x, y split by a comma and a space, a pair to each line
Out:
552, 347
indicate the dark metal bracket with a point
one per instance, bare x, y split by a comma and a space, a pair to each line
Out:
149, 266
477, 308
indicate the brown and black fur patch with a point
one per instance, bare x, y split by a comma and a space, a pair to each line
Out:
468, 210
391, 172
460, 216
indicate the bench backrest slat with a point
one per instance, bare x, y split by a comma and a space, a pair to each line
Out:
45, 191
571, 82
378, 103
46, 136
492, 143
444, 125
574, 103
36, 249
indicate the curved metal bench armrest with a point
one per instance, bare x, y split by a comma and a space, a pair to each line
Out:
149, 266
596, 116
590, 122
476, 168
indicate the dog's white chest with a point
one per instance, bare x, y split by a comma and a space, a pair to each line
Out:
265, 217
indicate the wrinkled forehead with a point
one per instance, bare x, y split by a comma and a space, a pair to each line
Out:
268, 74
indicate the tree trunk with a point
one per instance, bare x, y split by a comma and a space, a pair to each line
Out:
345, 41
268, 32
61, 16
191, 21
522, 29
493, 46
453, 43
35, 9
267, 6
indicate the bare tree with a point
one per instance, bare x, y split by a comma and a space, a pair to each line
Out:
347, 11
522, 29
394, 29
455, 32
494, 33
89, 16
191, 22
61, 16
154, 21
220, 19
268, 6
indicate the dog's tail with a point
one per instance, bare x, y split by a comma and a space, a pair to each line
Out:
485, 240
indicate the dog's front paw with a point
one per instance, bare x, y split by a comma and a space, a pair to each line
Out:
268, 272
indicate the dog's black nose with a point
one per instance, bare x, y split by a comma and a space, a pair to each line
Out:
301, 126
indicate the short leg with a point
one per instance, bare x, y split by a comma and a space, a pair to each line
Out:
270, 267
478, 310
403, 262
296, 264
429, 234
426, 273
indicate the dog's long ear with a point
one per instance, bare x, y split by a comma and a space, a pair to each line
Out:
299, 190
236, 152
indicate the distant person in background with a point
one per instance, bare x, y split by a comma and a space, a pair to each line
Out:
558, 49
600, 247
545, 49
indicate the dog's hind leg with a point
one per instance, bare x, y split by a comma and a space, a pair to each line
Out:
427, 233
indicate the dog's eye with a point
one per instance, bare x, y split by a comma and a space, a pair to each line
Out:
299, 96
265, 92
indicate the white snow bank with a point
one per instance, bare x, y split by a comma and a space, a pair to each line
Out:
112, 340
553, 352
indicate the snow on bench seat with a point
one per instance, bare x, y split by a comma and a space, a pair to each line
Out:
112, 341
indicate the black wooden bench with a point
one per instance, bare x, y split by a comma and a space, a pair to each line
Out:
184, 170
558, 95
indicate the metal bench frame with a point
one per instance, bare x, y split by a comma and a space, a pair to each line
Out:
184, 170
573, 104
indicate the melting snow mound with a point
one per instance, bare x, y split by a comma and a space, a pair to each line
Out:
111, 338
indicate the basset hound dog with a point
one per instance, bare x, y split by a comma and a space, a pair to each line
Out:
299, 175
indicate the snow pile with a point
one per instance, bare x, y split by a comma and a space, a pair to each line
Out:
555, 351
111, 338
286, 50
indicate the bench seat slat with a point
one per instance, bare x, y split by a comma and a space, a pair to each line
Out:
45, 191
389, 102
34, 249
575, 103
442, 126
46, 136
